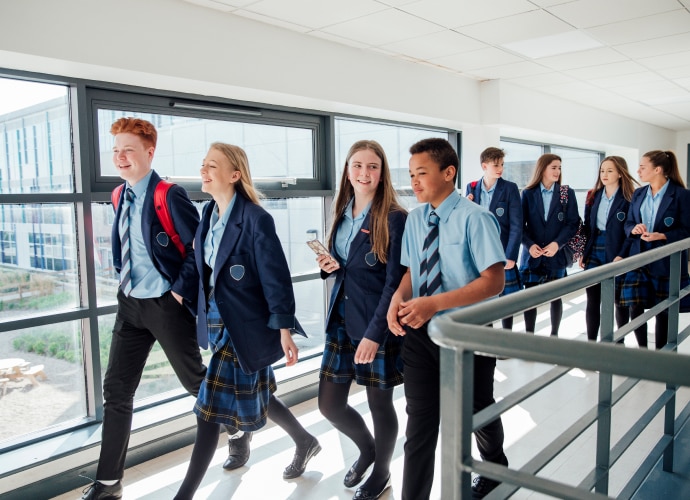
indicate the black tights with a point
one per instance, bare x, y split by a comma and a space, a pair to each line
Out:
207, 434
660, 330
377, 449
593, 312
556, 315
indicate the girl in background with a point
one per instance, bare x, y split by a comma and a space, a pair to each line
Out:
246, 312
550, 218
606, 210
659, 213
364, 243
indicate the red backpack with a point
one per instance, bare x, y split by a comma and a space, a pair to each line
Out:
160, 201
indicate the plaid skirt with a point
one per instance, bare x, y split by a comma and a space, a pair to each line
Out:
641, 288
598, 258
338, 362
541, 274
228, 395
513, 282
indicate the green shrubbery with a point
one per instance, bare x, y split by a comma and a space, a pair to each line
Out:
54, 344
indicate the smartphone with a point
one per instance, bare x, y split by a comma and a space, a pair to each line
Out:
318, 247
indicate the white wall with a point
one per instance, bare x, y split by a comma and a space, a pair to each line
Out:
174, 45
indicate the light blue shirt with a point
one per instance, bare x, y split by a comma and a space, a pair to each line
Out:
546, 197
147, 282
650, 206
487, 196
604, 208
469, 242
215, 234
347, 230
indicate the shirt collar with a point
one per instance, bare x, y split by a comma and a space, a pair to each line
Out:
140, 187
348, 210
543, 189
491, 190
445, 208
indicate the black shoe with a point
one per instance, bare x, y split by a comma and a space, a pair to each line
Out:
363, 494
299, 461
353, 476
482, 486
99, 491
238, 451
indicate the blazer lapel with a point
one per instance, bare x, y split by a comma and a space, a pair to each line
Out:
360, 238
498, 193
665, 203
233, 230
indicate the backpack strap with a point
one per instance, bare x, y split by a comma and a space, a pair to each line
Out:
116, 195
160, 201
473, 185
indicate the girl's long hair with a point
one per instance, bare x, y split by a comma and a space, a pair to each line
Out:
543, 162
626, 182
385, 201
239, 161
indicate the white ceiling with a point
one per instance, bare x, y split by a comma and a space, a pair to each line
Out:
630, 57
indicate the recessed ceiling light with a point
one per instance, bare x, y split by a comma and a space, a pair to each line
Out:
544, 46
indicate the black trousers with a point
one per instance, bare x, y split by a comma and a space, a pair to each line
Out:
422, 393
138, 325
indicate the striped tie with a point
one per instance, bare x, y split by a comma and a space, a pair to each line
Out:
429, 270
126, 271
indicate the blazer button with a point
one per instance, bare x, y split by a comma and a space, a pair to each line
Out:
346, 297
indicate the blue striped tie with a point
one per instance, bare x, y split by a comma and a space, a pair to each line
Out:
126, 271
429, 270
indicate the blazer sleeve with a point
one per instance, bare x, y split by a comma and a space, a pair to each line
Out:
515, 211
526, 240
587, 223
185, 218
377, 330
274, 273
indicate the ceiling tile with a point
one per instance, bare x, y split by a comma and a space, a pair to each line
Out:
396, 3
548, 3
339, 39
524, 26
675, 73
443, 43
651, 91
658, 46
312, 13
582, 59
383, 27
271, 20
611, 82
514, 70
476, 59
453, 13
605, 70
666, 61
680, 109
236, 3
590, 13
212, 4
683, 82
646, 28
536, 81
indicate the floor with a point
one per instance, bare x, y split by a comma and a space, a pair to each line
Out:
528, 428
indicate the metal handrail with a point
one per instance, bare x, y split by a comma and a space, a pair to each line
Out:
461, 333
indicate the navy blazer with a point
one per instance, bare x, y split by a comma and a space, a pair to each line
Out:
617, 244
505, 205
560, 226
181, 274
366, 283
672, 219
252, 285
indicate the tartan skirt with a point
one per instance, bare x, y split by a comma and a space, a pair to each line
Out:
228, 395
598, 258
513, 282
642, 288
541, 274
338, 362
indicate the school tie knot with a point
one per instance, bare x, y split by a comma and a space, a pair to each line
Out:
433, 219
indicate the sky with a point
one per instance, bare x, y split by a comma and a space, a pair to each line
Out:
17, 94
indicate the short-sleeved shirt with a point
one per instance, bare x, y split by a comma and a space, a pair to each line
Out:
469, 242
